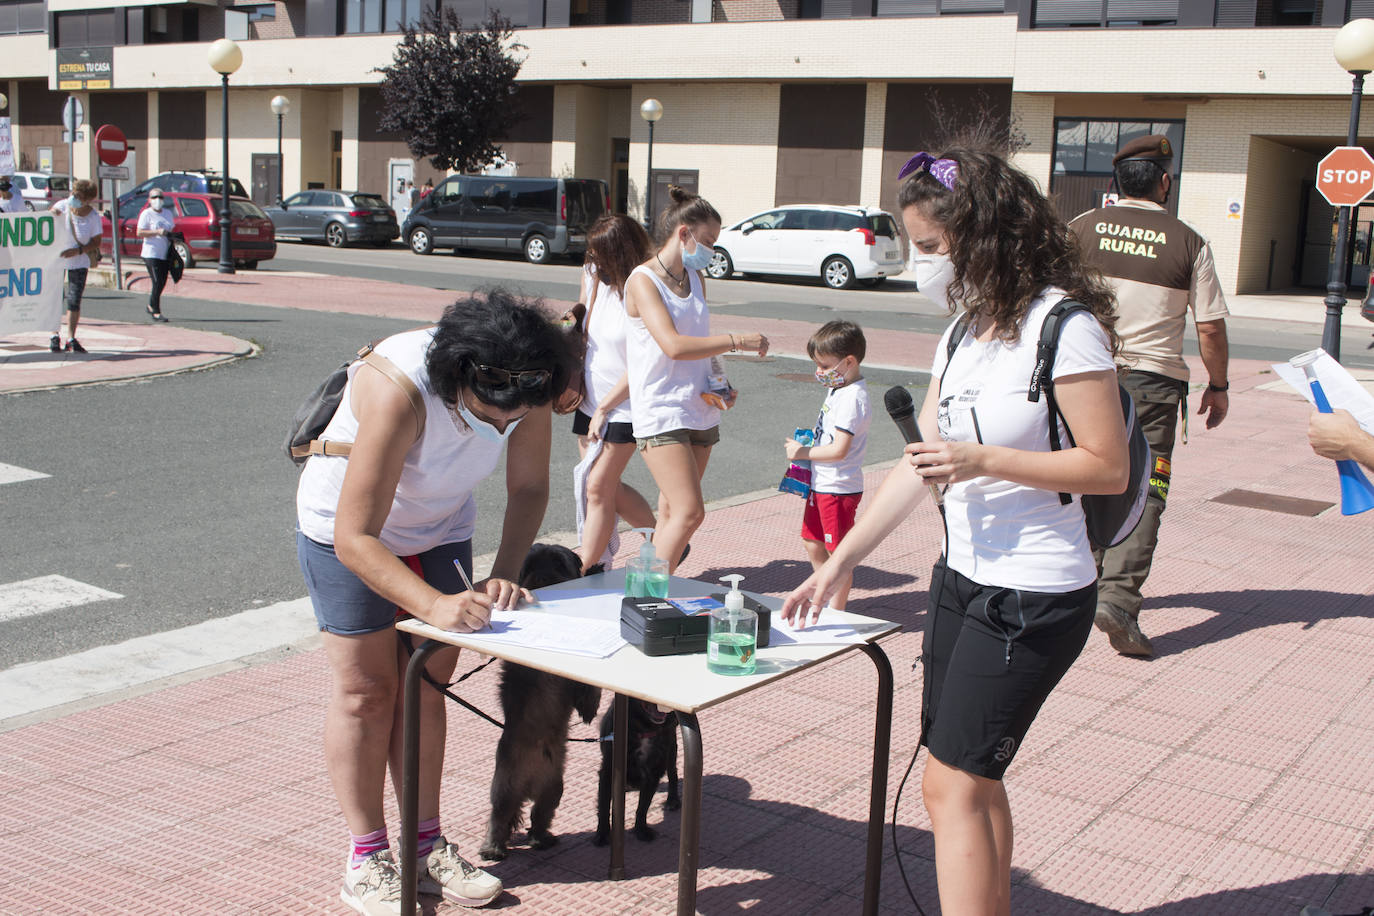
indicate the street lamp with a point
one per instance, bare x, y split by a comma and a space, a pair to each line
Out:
4, 100
650, 111
280, 106
1354, 51
225, 58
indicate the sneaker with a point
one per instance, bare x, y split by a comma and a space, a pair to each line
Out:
1123, 632
373, 888
74, 346
447, 874
55, 344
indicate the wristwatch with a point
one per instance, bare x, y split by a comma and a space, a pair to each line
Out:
1224, 386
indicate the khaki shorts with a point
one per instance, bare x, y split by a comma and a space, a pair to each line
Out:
681, 437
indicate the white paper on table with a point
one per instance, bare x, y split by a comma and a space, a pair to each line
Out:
1341, 388
537, 629
820, 633
579, 602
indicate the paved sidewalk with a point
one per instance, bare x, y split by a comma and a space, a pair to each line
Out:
1230, 775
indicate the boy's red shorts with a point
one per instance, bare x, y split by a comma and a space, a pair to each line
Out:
829, 516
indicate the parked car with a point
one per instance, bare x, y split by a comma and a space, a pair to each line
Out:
39, 189
184, 180
251, 236
336, 217
540, 217
841, 245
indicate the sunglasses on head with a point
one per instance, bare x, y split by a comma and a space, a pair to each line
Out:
524, 379
945, 171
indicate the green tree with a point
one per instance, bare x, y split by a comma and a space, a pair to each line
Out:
450, 92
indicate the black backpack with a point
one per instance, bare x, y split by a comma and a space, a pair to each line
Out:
1110, 518
303, 436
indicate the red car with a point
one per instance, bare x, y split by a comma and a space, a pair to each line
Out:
251, 235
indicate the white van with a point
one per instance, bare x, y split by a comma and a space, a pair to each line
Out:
841, 245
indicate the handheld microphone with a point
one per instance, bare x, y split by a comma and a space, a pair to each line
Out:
900, 408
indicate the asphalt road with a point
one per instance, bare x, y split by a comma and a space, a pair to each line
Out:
173, 491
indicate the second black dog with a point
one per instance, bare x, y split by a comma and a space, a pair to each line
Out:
651, 755
537, 706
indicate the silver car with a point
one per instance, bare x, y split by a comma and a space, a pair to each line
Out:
336, 218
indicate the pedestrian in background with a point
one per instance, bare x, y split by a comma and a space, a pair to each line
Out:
616, 244
155, 226
1012, 598
669, 352
10, 200
77, 216
1161, 269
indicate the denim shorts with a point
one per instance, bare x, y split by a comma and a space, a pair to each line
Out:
345, 606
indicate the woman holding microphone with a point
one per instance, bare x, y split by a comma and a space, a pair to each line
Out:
1013, 596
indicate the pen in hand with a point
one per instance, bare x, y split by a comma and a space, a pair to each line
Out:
468, 582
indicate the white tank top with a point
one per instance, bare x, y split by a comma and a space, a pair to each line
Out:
665, 394
433, 503
605, 362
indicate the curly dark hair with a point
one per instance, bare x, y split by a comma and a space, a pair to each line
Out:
1006, 242
495, 327
616, 245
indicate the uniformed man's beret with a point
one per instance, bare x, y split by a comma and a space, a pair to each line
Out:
1155, 147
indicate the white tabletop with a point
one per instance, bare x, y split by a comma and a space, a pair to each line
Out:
677, 682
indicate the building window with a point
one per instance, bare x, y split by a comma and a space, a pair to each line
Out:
1105, 13
1083, 151
87, 29
19, 17
362, 16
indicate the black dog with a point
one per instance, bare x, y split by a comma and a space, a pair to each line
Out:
652, 753
533, 748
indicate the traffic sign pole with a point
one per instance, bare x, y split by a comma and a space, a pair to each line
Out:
1336, 274
112, 148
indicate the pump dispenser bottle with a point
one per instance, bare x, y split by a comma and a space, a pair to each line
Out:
732, 633
646, 576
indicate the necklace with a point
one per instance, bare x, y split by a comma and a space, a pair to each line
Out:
679, 281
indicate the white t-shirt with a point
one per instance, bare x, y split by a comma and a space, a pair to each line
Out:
87, 227
844, 409
157, 246
434, 503
605, 361
1005, 534
665, 394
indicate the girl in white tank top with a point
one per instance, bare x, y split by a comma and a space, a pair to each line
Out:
669, 347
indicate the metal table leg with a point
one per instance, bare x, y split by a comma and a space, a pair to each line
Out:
689, 839
877, 799
620, 742
410, 773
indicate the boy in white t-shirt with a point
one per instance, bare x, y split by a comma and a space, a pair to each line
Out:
840, 437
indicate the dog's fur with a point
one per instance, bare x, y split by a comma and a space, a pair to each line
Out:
652, 753
537, 706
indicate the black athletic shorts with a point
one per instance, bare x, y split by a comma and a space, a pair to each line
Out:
616, 433
991, 657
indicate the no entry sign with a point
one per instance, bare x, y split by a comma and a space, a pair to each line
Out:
112, 147
1345, 176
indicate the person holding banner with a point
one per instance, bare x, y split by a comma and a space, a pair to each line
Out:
77, 216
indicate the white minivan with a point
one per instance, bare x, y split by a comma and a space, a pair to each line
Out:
841, 245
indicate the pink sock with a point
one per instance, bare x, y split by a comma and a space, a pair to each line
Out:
429, 832
367, 844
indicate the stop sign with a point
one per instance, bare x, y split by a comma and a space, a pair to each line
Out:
112, 147
1345, 176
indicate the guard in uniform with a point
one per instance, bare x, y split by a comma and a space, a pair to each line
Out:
1161, 268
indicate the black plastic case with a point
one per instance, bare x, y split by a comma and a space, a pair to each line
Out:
656, 626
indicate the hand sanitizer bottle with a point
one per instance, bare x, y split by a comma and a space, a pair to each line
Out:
732, 633
646, 576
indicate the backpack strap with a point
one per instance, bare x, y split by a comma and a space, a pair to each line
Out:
1042, 376
955, 336
385, 366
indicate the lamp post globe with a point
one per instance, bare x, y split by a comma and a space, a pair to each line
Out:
4, 100
280, 106
650, 110
1354, 51
225, 57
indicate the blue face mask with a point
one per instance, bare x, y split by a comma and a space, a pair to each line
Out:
482, 428
698, 258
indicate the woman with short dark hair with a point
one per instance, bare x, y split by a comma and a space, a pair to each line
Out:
381, 529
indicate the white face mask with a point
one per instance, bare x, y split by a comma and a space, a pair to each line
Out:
934, 273
155, 203
483, 429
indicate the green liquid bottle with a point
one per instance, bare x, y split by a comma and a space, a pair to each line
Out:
646, 576
732, 634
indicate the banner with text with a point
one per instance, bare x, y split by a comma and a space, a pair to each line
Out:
30, 273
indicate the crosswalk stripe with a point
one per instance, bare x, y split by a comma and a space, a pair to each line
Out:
47, 593
11, 474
